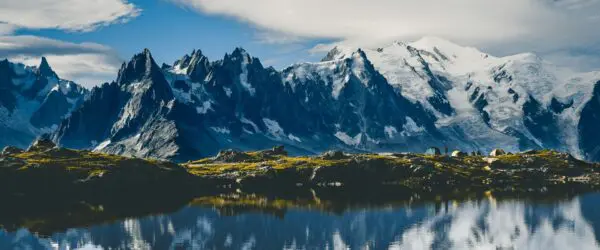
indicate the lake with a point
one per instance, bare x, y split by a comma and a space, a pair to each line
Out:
482, 223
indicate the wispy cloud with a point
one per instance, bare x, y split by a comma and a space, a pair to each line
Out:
86, 63
277, 38
73, 15
503, 27
6, 28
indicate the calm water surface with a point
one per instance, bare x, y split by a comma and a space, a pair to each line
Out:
482, 224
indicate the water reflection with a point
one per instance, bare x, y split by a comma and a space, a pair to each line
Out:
483, 224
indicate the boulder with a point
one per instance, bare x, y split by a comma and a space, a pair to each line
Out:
497, 152
265, 168
279, 150
41, 145
275, 151
422, 170
334, 155
531, 152
231, 155
458, 153
10, 150
433, 151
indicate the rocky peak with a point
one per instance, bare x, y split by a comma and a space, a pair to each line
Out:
141, 67
187, 60
198, 66
45, 70
183, 62
7, 98
6, 74
360, 66
335, 54
238, 55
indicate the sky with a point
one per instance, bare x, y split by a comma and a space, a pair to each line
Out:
87, 40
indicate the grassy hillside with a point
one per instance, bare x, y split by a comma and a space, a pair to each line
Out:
48, 189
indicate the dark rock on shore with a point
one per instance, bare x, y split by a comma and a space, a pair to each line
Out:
10, 150
334, 155
232, 156
42, 144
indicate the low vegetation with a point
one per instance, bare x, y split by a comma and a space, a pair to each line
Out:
68, 185
56, 167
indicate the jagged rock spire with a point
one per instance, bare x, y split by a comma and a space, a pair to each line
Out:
141, 66
45, 70
198, 66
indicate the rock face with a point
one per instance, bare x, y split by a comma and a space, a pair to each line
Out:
457, 153
275, 151
138, 115
41, 145
588, 126
333, 155
433, 151
231, 156
33, 101
497, 152
10, 150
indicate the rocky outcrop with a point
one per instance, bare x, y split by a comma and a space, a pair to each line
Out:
275, 151
497, 152
458, 153
41, 145
433, 151
334, 155
11, 150
231, 155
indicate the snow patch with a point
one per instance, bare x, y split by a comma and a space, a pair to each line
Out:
273, 127
206, 106
411, 128
244, 76
221, 130
390, 131
294, 138
227, 91
244, 120
102, 145
348, 140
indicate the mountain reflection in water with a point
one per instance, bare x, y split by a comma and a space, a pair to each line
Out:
482, 224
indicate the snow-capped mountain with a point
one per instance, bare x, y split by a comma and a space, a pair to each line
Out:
33, 101
401, 97
515, 102
196, 108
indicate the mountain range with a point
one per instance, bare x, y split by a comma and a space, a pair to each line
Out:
400, 97
33, 101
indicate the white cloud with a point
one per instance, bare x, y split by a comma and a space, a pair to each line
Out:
276, 38
6, 29
88, 64
87, 70
502, 27
583, 61
74, 15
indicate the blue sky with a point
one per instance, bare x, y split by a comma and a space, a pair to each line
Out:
170, 31
86, 41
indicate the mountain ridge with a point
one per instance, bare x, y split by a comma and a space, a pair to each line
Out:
33, 101
400, 97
